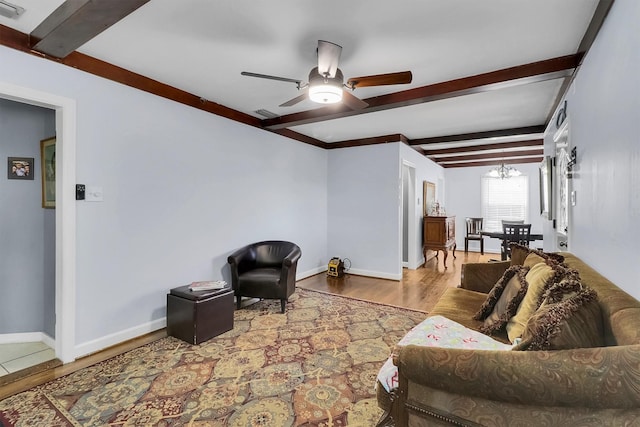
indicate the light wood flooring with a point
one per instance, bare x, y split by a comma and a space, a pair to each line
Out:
419, 289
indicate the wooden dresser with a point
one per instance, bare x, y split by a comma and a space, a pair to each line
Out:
439, 235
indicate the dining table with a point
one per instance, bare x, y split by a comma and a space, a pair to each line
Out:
500, 235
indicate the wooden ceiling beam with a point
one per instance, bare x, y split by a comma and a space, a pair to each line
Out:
549, 69
599, 15
499, 155
601, 12
493, 162
75, 22
301, 137
496, 146
528, 130
17, 40
382, 139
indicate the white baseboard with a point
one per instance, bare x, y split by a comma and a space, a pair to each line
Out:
25, 337
98, 344
376, 274
311, 272
367, 273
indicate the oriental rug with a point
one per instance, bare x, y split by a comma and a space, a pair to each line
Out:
315, 365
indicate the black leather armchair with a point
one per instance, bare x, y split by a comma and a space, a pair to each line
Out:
265, 270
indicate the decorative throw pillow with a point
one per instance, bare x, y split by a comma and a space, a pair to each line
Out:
533, 259
518, 253
503, 299
523, 255
538, 279
569, 317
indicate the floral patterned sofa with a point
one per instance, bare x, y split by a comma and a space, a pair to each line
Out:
584, 371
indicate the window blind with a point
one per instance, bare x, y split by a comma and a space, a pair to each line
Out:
504, 199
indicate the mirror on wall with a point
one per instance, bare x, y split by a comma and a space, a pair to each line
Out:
429, 197
562, 186
546, 187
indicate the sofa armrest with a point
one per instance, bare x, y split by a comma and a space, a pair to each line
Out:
481, 276
604, 377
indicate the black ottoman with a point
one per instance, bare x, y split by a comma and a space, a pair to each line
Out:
198, 316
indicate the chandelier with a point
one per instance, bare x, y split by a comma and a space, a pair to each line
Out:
503, 172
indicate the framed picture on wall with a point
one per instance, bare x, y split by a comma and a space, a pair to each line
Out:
48, 166
428, 197
20, 168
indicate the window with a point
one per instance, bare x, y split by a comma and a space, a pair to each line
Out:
504, 199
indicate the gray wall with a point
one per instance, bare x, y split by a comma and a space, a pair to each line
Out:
604, 125
27, 255
182, 189
604, 114
364, 208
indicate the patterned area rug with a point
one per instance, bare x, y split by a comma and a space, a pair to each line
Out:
315, 365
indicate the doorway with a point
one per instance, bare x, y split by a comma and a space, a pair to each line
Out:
27, 312
65, 215
409, 234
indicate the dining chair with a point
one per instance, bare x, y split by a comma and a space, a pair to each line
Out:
514, 233
474, 227
515, 221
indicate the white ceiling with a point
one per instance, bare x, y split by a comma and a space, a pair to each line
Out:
201, 46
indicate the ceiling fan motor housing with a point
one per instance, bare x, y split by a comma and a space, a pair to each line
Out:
325, 90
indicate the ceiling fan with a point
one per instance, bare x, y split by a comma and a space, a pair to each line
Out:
326, 81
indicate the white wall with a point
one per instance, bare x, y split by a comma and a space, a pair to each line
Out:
426, 170
182, 189
604, 122
364, 206
464, 200
364, 209
27, 272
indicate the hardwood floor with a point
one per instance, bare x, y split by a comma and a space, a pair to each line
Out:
419, 290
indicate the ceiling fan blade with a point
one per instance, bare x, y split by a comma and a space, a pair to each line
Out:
295, 100
352, 101
399, 78
328, 57
266, 76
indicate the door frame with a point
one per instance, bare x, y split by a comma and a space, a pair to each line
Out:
65, 111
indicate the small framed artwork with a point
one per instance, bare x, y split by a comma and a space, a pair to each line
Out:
20, 168
428, 197
48, 166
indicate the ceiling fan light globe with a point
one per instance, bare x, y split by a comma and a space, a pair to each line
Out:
325, 93
324, 89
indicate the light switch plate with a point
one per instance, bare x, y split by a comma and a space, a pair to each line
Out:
80, 189
93, 194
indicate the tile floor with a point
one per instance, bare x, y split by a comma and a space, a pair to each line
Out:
18, 356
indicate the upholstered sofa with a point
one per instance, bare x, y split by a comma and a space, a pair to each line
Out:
595, 386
